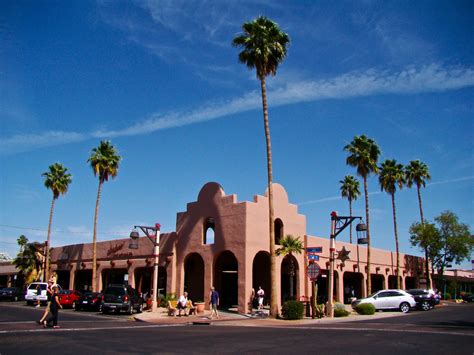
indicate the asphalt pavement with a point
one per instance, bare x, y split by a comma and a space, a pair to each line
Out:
444, 330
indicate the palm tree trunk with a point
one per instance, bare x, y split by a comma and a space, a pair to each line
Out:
48, 243
427, 261
273, 291
94, 240
366, 192
396, 239
350, 215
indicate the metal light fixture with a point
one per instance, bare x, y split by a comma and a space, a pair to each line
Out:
134, 239
361, 230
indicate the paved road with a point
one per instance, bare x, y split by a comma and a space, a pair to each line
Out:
448, 330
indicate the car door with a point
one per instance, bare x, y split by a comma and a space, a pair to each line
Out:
380, 300
394, 299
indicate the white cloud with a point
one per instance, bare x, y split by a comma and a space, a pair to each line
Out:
429, 78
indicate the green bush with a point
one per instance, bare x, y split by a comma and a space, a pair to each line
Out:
292, 310
447, 296
365, 308
339, 312
338, 305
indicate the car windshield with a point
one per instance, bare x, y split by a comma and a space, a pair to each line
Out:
65, 292
115, 291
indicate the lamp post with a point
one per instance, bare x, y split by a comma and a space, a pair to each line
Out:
338, 224
153, 234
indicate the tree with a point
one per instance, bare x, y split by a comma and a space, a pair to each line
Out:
104, 162
456, 241
264, 47
364, 154
28, 259
416, 172
392, 175
290, 245
57, 179
350, 190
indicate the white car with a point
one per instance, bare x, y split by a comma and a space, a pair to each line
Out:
389, 299
37, 291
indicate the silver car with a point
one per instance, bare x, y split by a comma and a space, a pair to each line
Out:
389, 299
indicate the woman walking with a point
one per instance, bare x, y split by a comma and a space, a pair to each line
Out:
52, 319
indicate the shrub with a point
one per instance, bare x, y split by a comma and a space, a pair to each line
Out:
447, 296
339, 306
292, 310
339, 312
365, 308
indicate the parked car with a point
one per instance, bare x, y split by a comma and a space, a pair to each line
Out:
121, 298
424, 299
11, 293
89, 301
68, 298
389, 299
468, 297
37, 291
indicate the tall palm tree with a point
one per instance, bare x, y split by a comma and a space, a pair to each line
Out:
416, 172
104, 162
350, 190
57, 179
290, 245
392, 175
364, 154
264, 47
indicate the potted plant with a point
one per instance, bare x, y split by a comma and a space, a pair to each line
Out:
199, 307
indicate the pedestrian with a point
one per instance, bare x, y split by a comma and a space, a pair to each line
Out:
261, 296
49, 293
52, 319
214, 302
183, 304
38, 294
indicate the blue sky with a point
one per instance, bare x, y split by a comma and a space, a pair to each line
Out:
162, 81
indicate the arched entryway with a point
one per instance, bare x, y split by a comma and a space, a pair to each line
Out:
392, 282
194, 277
410, 282
83, 280
353, 285
261, 273
378, 282
144, 280
63, 279
289, 278
226, 279
113, 276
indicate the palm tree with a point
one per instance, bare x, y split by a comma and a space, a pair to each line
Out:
57, 179
28, 259
350, 190
417, 172
392, 175
264, 47
364, 153
104, 162
290, 245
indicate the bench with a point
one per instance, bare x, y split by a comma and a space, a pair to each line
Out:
173, 308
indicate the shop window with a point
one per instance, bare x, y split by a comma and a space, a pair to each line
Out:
208, 235
278, 231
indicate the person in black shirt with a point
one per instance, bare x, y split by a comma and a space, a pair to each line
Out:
52, 319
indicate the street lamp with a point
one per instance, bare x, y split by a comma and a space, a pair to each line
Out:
153, 234
338, 224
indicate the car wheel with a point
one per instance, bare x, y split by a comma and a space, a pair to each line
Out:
73, 305
425, 305
405, 307
100, 308
130, 311
15, 298
140, 308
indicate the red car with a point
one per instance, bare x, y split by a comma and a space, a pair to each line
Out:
68, 298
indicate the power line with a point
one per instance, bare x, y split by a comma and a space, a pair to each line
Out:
57, 230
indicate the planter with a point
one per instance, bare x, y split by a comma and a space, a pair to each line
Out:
199, 307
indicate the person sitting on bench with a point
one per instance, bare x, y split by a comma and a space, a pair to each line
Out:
183, 304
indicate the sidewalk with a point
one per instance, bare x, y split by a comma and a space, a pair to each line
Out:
233, 318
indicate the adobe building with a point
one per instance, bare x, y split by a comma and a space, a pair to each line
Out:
222, 242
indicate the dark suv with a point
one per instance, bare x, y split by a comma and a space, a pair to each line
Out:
424, 298
121, 298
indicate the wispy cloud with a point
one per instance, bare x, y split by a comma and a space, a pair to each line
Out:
466, 178
430, 78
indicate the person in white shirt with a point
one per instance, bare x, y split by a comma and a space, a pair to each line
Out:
183, 304
261, 296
